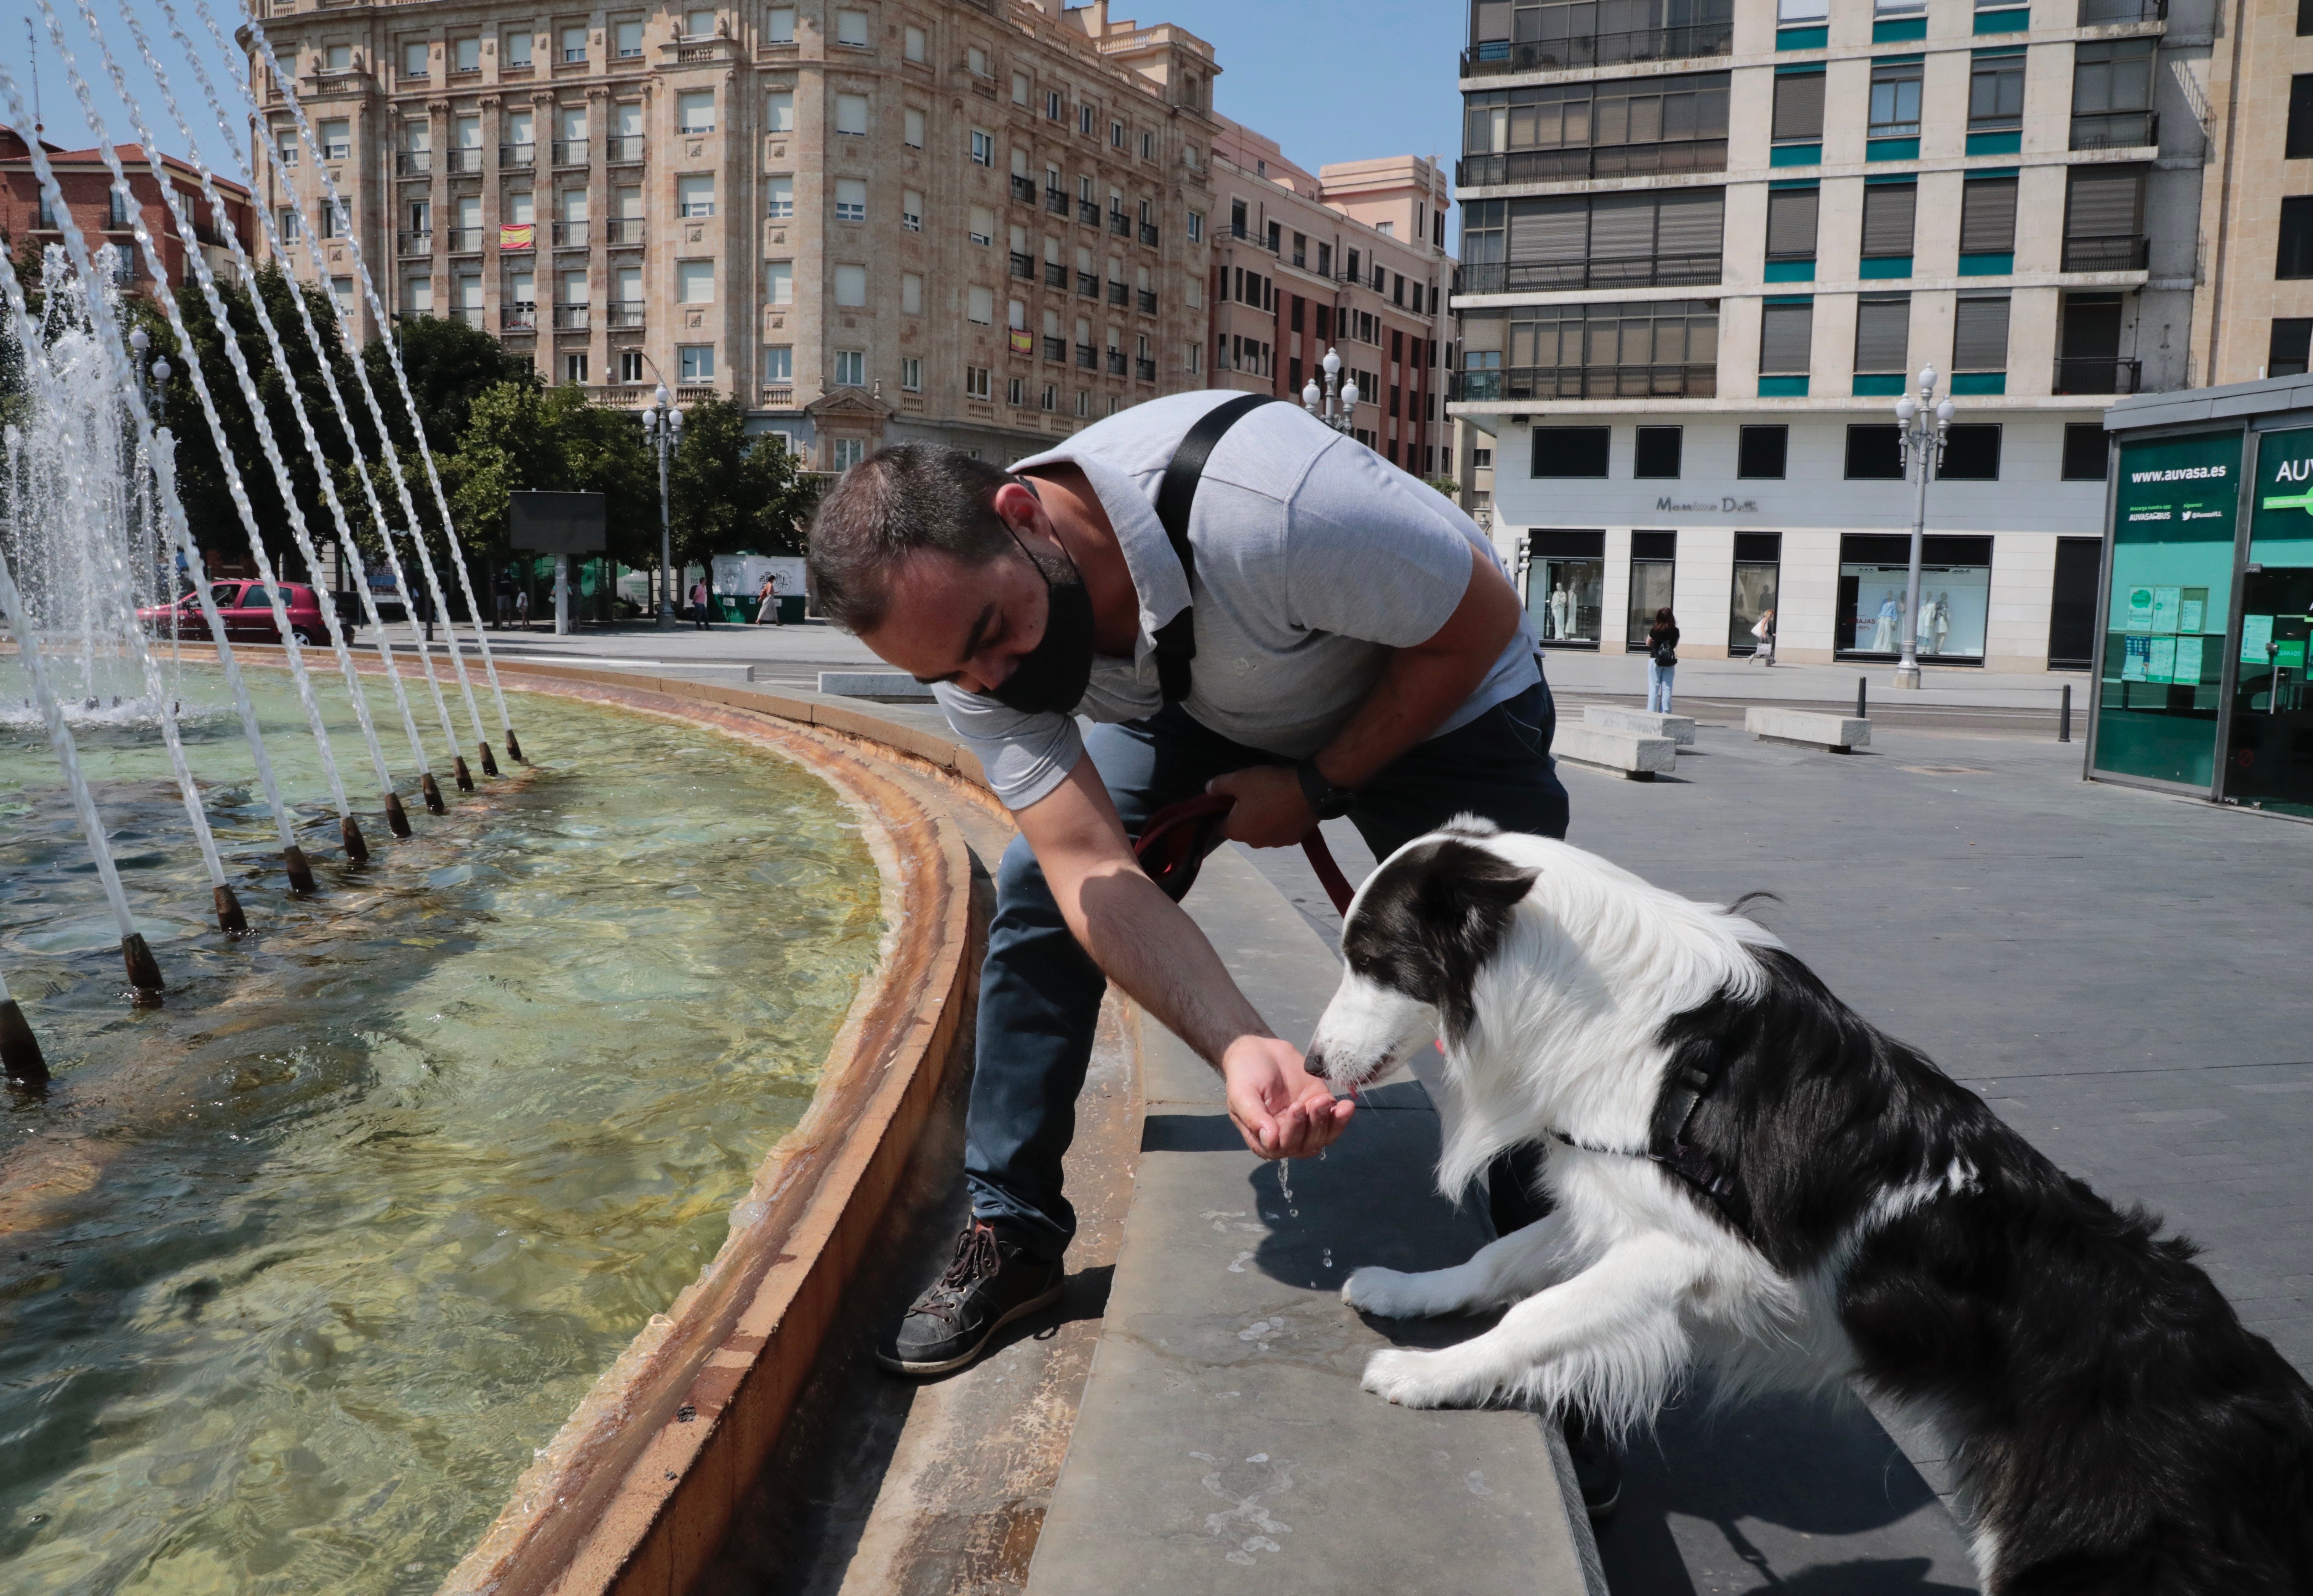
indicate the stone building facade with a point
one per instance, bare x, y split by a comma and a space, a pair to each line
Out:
978, 222
1352, 259
1701, 259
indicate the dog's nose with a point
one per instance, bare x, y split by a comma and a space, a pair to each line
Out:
1314, 1062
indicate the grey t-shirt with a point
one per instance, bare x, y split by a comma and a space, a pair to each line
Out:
1314, 557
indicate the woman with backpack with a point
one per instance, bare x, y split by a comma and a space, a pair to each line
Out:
1662, 659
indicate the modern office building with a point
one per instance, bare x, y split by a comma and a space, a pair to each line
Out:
1352, 259
1702, 257
979, 221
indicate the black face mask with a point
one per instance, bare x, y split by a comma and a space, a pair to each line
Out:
1053, 675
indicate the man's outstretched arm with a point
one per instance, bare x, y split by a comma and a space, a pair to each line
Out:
1148, 945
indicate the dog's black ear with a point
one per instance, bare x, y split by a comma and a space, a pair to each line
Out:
1464, 908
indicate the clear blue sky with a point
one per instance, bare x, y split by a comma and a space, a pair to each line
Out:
1350, 81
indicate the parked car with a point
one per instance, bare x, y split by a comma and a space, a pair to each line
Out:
248, 614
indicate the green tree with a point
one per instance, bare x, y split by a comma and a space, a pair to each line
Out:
520, 435
731, 494
450, 366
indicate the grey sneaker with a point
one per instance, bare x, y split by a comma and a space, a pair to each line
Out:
989, 1283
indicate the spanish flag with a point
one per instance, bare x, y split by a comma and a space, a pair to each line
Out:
518, 235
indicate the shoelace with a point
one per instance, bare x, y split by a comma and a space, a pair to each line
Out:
976, 1259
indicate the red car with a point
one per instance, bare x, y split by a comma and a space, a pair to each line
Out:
247, 614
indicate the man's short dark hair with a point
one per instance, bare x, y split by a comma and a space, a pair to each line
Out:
898, 502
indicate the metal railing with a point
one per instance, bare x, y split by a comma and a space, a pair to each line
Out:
1116, 367
415, 243
1148, 233
412, 163
1636, 271
1023, 189
457, 161
1120, 294
1056, 200
1056, 274
1120, 223
1056, 349
1088, 212
570, 235
518, 317
1600, 49
1087, 284
2116, 130
464, 241
624, 147
625, 312
1699, 380
471, 315
2097, 374
1147, 301
518, 155
572, 318
1024, 265
1145, 370
623, 229
2119, 252
1088, 357
568, 152
2105, 13
1600, 160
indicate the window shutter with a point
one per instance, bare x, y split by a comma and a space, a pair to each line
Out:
1791, 222
1693, 222
1888, 212
1980, 335
1786, 339
1622, 227
1549, 231
2104, 203
1987, 216
1883, 334
1799, 106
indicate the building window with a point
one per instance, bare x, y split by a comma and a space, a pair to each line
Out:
416, 60
980, 305
337, 140
573, 367
1955, 588
2296, 253
1565, 584
975, 61
694, 282
850, 199
779, 363
1798, 107
1875, 454
1787, 338
852, 368
983, 147
1758, 574
1888, 212
2088, 447
1654, 571
695, 363
779, 281
1980, 333
1083, 119
912, 44
1019, 88
1147, 146
1883, 334
1971, 455
778, 199
779, 112
779, 25
1656, 456
694, 195
851, 117
975, 382
1613, 127
1197, 228
851, 286
630, 366
2298, 145
1051, 398
2111, 93
465, 55
851, 29
630, 41
981, 227
1895, 101
2104, 213
1760, 451
1570, 451
1987, 216
1052, 105
1995, 93
1015, 392
844, 453
1791, 216
694, 111
911, 210
911, 374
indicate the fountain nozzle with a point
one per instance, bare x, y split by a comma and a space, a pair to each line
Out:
465, 778
514, 746
144, 972
357, 845
397, 819
489, 765
432, 791
300, 874
230, 919
19, 1049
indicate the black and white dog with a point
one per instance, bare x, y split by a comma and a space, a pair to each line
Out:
1749, 1176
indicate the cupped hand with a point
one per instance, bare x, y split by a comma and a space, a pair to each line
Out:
1279, 1107
1270, 811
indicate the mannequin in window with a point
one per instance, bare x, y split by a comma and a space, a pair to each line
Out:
1891, 615
1558, 604
1926, 642
1943, 620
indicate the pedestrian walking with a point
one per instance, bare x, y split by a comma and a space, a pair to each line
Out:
767, 597
522, 608
1662, 659
699, 597
505, 606
1763, 630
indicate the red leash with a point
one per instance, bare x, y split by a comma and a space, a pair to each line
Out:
1172, 846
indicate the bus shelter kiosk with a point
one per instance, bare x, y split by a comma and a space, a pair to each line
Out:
561, 524
2206, 605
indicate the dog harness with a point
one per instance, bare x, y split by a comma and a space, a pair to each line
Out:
1667, 1146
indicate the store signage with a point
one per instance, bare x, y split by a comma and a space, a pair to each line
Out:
2281, 518
1728, 506
2178, 482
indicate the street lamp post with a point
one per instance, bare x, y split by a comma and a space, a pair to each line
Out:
1336, 403
1922, 425
663, 426
152, 386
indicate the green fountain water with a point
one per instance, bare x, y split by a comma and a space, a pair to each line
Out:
296, 1271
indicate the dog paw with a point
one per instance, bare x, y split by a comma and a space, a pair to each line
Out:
1409, 1379
1376, 1290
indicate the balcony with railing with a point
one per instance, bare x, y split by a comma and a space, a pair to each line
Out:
1120, 294
413, 163
464, 241
1116, 363
1676, 43
624, 312
1088, 358
1056, 274
1697, 381
2097, 374
1120, 223
1145, 370
519, 317
462, 160
1148, 233
1024, 265
1056, 350
1023, 189
1590, 160
1087, 284
1147, 301
568, 152
2119, 252
623, 229
413, 243
1088, 212
517, 154
572, 318
777, 396
1056, 200
471, 315
1637, 271
2116, 130
622, 148
572, 235
2109, 13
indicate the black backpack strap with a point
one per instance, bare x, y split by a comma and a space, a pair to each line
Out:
1176, 639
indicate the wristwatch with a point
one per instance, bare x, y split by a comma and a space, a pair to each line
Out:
1326, 801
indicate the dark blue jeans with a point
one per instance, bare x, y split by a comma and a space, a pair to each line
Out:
1040, 993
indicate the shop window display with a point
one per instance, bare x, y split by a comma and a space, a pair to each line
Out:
1654, 568
1566, 586
1758, 574
1954, 597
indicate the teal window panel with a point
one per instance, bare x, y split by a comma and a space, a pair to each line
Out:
1996, 144
1782, 388
1802, 38
1790, 271
1901, 29
1878, 384
1885, 266
1994, 171
1892, 149
1986, 266
1795, 155
2003, 22
1979, 383
1790, 299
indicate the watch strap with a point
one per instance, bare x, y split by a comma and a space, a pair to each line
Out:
1326, 801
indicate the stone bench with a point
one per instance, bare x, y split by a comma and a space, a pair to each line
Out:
1646, 723
1634, 756
1803, 728
887, 685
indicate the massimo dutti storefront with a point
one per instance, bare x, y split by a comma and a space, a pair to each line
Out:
2207, 600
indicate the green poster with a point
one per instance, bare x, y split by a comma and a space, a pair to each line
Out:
2187, 672
2191, 608
2281, 524
2289, 654
2137, 610
2257, 638
2166, 601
